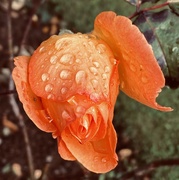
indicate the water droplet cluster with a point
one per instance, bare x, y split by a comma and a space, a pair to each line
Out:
71, 64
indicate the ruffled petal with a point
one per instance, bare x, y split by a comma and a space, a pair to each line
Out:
96, 156
140, 76
77, 62
64, 151
31, 103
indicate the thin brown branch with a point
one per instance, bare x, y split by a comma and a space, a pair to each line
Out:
28, 27
9, 29
7, 92
12, 100
149, 167
148, 9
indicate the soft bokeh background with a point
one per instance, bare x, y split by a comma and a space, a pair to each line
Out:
144, 135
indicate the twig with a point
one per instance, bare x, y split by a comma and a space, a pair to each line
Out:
27, 29
12, 100
8, 92
148, 9
149, 167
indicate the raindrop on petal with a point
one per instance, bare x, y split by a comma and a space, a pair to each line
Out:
78, 61
80, 77
94, 83
45, 77
96, 159
96, 64
48, 87
101, 48
66, 116
67, 59
51, 96
53, 59
94, 70
107, 69
80, 109
104, 76
42, 49
65, 74
94, 96
64, 90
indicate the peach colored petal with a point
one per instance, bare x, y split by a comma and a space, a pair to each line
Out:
140, 76
77, 62
64, 151
31, 103
96, 156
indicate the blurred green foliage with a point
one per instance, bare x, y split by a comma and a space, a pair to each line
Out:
79, 15
152, 134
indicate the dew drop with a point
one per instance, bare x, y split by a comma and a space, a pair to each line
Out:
132, 67
65, 74
66, 115
96, 64
101, 48
64, 90
93, 70
104, 76
96, 159
51, 96
67, 59
94, 96
80, 77
48, 87
104, 160
80, 109
107, 69
79, 35
61, 43
42, 49
78, 61
144, 79
45, 77
53, 59
50, 121
91, 44
94, 83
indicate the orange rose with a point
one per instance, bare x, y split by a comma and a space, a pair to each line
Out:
70, 84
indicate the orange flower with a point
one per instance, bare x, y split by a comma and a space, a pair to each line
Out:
70, 84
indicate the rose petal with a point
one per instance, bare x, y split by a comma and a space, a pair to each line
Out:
97, 156
31, 103
140, 76
77, 62
64, 151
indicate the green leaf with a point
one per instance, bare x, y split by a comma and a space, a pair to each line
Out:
161, 31
174, 5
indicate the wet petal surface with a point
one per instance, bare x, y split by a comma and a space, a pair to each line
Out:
140, 76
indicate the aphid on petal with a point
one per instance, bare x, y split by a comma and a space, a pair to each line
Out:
140, 75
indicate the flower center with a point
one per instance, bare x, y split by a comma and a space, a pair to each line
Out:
85, 128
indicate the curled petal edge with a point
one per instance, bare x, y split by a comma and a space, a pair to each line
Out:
140, 75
